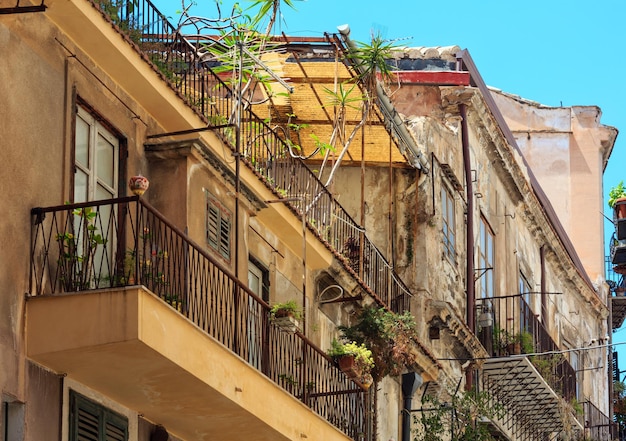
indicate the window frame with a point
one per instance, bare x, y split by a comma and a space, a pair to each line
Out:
448, 222
218, 227
486, 259
104, 417
97, 128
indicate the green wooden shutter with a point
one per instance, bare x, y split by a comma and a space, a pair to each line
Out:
90, 421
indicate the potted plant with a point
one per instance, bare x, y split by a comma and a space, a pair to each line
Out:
390, 337
354, 360
617, 200
286, 315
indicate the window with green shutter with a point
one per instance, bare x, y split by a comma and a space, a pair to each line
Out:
218, 226
90, 421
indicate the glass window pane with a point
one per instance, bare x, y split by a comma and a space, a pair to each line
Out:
81, 187
105, 161
103, 193
82, 141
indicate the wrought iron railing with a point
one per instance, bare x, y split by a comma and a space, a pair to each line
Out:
599, 426
615, 280
263, 149
125, 242
515, 330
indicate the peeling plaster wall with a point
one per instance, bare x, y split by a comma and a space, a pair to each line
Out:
566, 147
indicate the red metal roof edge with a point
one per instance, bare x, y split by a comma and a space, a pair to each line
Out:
440, 78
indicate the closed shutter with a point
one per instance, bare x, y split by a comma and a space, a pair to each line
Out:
218, 226
90, 421
87, 424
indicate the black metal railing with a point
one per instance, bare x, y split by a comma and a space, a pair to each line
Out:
599, 425
516, 329
615, 280
262, 148
123, 242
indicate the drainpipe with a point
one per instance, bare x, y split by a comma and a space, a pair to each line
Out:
410, 383
469, 275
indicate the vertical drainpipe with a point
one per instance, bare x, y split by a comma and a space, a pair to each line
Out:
544, 297
469, 192
411, 381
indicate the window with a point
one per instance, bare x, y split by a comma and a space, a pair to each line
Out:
525, 303
258, 282
258, 279
90, 421
12, 420
96, 159
218, 226
447, 211
96, 177
485, 260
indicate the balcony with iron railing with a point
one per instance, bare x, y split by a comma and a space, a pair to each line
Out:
527, 371
86, 257
617, 290
261, 148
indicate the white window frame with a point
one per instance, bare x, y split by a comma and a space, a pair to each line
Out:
96, 130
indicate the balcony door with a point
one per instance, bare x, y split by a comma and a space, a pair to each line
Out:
96, 177
96, 159
258, 281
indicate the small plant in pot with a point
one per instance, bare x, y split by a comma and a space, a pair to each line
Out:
618, 194
286, 315
354, 360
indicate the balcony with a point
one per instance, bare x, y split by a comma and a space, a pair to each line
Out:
123, 302
262, 149
533, 388
617, 286
620, 222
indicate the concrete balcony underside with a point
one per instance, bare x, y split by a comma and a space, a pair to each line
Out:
134, 348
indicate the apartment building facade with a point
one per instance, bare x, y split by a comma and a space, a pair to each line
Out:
148, 317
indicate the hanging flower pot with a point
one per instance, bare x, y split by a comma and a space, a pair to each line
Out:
138, 184
285, 315
347, 364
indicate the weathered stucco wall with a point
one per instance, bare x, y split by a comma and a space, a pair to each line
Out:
566, 148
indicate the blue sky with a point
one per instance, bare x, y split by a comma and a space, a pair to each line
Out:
551, 51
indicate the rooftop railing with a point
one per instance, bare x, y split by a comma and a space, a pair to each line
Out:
125, 242
263, 149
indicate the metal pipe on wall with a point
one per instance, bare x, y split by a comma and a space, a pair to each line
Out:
469, 190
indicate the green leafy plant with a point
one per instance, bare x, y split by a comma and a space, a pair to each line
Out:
283, 309
616, 193
78, 249
526, 341
390, 337
362, 355
460, 419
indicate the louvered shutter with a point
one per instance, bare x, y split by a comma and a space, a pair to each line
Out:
218, 226
87, 426
89, 421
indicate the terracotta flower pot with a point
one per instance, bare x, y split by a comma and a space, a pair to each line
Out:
620, 208
348, 365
